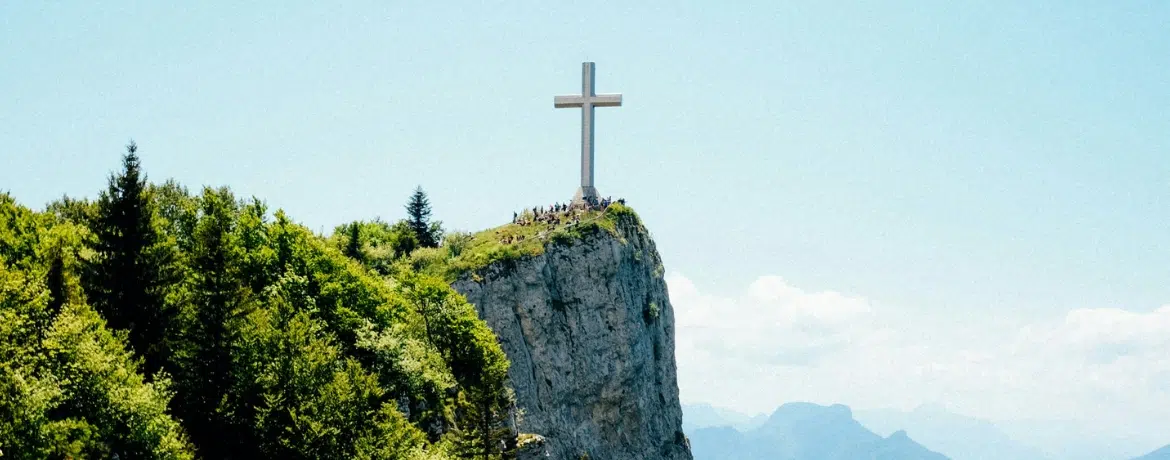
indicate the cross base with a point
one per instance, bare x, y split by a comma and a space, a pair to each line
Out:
586, 192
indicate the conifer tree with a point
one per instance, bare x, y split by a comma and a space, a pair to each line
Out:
483, 433
55, 281
219, 301
418, 217
127, 280
353, 244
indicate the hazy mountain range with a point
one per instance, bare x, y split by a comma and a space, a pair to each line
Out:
960, 437
1160, 454
801, 431
718, 433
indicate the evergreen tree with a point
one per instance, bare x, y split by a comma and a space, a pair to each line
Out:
219, 301
418, 217
58, 288
128, 278
353, 244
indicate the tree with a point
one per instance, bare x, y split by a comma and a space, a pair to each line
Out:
127, 280
70, 387
483, 432
55, 281
353, 244
220, 302
477, 363
418, 217
278, 345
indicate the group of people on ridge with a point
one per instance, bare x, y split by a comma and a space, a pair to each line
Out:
558, 213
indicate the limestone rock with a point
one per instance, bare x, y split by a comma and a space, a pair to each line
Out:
589, 330
531, 447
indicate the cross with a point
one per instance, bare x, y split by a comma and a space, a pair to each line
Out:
587, 101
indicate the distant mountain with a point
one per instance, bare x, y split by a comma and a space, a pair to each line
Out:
697, 416
958, 436
805, 431
1160, 454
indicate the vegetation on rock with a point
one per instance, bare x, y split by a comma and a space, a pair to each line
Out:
470, 253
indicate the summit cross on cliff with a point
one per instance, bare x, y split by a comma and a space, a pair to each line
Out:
587, 101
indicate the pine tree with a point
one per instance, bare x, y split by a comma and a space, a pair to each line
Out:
418, 217
58, 288
483, 433
353, 244
220, 300
127, 280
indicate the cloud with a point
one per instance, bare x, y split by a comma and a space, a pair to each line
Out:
775, 342
773, 322
1108, 334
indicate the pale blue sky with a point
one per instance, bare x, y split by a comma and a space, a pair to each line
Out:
1003, 159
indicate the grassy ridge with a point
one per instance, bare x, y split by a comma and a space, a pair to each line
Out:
511, 242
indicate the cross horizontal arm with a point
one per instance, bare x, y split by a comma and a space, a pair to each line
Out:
600, 100
561, 102
607, 100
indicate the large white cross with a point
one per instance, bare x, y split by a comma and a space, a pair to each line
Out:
587, 101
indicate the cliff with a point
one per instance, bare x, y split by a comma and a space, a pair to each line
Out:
589, 330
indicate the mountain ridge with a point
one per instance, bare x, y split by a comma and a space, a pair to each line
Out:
807, 431
1160, 454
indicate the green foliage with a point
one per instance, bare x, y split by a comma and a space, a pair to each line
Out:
313, 403
81, 212
476, 361
278, 344
516, 241
418, 217
456, 242
177, 212
68, 386
219, 301
379, 245
123, 411
133, 268
353, 243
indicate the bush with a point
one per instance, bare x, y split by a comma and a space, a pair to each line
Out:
456, 242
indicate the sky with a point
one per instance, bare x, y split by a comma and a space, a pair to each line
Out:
881, 204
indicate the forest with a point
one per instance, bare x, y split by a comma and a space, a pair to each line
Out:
155, 321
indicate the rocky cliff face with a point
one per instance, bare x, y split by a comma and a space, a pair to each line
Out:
589, 330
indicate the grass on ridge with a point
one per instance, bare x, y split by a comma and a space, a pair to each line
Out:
514, 242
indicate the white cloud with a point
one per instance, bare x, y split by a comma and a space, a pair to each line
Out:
814, 325
776, 342
1108, 334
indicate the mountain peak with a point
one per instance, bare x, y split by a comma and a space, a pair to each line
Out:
807, 410
806, 430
